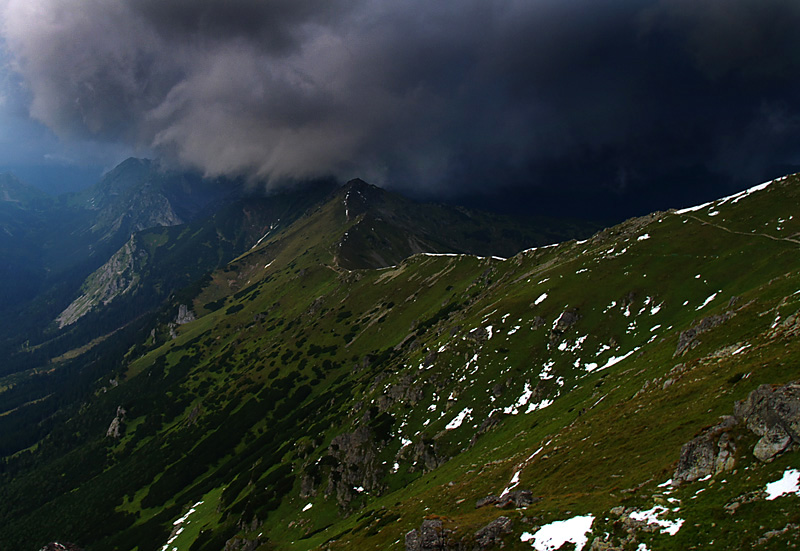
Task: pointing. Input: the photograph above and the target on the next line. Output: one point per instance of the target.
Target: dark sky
(560, 106)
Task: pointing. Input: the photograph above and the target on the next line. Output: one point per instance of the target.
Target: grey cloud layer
(448, 94)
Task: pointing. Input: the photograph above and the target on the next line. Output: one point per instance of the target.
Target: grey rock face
(774, 415)
(118, 276)
(413, 541)
(490, 534)
(562, 324)
(688, 339)
(243, 544)
(358, 468)
(708, 454)
(520, 498)
(430, 537)
(115, 428)
(185, 315)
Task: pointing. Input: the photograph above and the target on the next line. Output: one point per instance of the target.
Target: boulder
(490, 534)
(116, 427)
(185, 315)
(770, 412)
(773, 413)
(688, 338)
(519, 498)
(708, 454)
(430, 537)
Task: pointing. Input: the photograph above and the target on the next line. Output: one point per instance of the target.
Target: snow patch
(552, 536)
(512, 484)
(735, 198)
(613, 360)
(651, 516)
(693, 209)
(643, 237)
(456, 422)
(788, 484)
(307, 507)
(740, 349)
(540, 299)
(539, 405)
(513, 409)
(709, 299)
(534, 454)
(547, 371)
(178, 523)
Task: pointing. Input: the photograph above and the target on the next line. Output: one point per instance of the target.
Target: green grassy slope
(312, 406)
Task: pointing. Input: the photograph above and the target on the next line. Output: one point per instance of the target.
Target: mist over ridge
(627, 101)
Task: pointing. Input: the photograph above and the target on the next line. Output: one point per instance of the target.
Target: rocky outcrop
(425, 453)
(490, 422)
(406, 390)
(787, 329)
(688, 338)
(566, 320)
(774, 415)
(118, 276)
(185, 315)
(115, 429)
(708, 454)
(432, 536)
(357, 468)
(239, 543)
(520, 498)
(491, 534)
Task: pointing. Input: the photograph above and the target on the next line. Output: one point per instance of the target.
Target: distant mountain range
(191, 366)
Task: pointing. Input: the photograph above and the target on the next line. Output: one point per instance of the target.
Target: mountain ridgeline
(342, 368)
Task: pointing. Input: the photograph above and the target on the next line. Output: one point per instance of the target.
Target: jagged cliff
(118, 276)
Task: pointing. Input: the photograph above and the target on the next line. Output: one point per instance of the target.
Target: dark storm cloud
(627, 96)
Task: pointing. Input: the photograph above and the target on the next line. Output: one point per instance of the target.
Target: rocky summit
(342, 368)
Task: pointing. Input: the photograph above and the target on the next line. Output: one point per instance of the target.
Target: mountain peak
(359, 196)
(358, 183)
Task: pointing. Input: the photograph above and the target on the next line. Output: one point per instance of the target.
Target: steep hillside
(50, 245)
(136, 195)
(165, 258)
(572, 392)
(386, 228)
